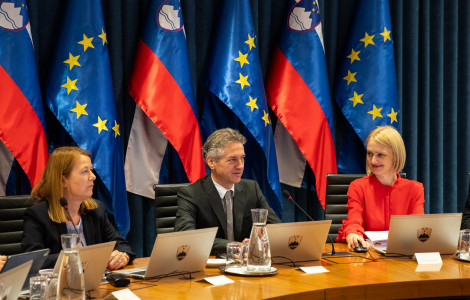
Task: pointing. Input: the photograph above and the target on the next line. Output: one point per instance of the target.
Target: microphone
(65, 205)
(288, 196)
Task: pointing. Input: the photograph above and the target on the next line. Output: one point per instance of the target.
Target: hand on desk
(353, 240)
(118, 260)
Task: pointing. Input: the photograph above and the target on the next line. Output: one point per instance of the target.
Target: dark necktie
(229, 212)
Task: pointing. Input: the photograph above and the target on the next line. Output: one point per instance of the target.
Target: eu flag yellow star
(252, 104)
(265, 118)
(386, 35)
(242, 59)
(243, 80)
(101, 125)
(72, 61)
(350, 77)
(393, 116)
(375, 112)
(368, 40)
(80, 110)
(103, 37)
(86, 42)
(116, 129)
(354, 55)
(251, 42)
(70, 85)
(356, 99)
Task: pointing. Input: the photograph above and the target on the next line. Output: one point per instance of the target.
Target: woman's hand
(118, 260)
(354, 239)
(3, 260)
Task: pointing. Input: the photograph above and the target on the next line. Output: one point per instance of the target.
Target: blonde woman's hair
(50, 188)
(389, 137)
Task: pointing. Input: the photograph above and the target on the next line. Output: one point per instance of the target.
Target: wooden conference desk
(354, 277)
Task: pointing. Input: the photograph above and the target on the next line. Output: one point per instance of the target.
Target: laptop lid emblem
(294, 241)
(424, 234)
(182, 252)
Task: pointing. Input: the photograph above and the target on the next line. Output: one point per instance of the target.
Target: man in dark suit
(222, 199)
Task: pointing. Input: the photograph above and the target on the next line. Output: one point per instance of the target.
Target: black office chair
(337, 186)
(166, 204)
(12, 209)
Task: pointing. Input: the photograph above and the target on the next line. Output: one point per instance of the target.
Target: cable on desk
(290, 261)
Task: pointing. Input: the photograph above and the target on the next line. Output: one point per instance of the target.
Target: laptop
(94, 260)
(13, 279)
(410, 234)
(37, 257)
(299, 241)
(175, 253)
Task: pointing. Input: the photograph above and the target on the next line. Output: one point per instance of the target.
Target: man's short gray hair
(218, 140)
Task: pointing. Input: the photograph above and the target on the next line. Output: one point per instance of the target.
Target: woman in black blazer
(69, 174)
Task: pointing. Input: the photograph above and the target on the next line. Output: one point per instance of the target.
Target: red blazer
(370, 204)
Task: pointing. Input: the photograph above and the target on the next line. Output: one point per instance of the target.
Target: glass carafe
(71, 282)
(259, 251)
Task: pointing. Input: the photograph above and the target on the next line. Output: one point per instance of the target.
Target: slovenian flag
(166, 107)
(298, 92)
(22, 122)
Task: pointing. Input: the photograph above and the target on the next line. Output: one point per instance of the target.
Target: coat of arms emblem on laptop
(424, 234)
(294, 241)
(182, 252)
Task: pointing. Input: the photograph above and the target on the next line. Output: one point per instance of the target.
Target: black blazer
(41, 232)
(466, 213)
(200, 206)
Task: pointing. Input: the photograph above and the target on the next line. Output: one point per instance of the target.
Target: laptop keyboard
(136, 271)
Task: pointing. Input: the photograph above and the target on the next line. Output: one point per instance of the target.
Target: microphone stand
(333, 252)
(65, 205)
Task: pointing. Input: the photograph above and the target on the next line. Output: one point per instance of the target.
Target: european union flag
(235, 78)
(80, 94)
(20, 95)
(366, 87)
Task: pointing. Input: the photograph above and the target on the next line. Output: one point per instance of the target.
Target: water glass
(51, 280)
(51, 292)
(37, 288)
(463, 247)
(234, 257)
(245, 245)
(70, 241)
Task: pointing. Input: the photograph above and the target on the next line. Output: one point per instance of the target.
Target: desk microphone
(65, 205)
(289, 197)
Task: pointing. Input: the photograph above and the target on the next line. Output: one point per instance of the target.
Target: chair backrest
(166, 204)
(12, 209)
(337, 186)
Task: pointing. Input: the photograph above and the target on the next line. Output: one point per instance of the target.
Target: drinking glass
(463, 247)
(234, 257)
(37, 288)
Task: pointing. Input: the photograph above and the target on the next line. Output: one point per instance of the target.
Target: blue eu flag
(80, 94)
(366, 86)
(235, 78)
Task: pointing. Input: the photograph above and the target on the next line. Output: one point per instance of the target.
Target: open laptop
(299, 241)
(94, 260)
(176, 252)
(37, 257)
(410, 234)
(13, 279)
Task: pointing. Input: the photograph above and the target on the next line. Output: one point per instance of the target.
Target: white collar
(221, 190)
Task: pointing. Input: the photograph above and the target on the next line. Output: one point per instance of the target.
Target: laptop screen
(424, 233)
(299, 241)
